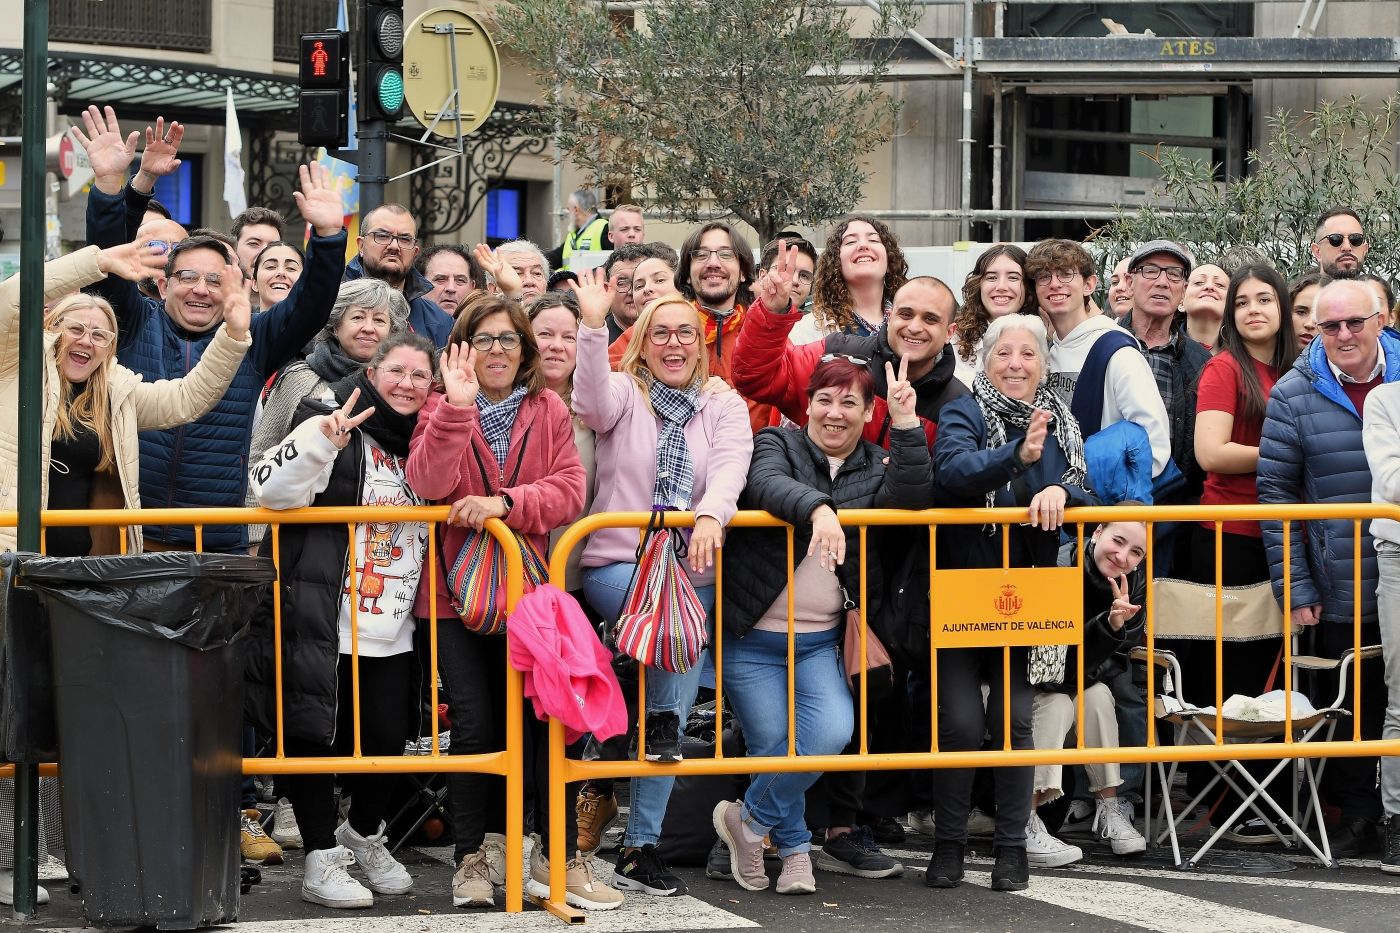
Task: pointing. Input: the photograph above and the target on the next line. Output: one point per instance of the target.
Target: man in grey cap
(1158, 270)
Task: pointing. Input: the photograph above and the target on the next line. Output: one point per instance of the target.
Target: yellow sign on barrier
(1021, 606)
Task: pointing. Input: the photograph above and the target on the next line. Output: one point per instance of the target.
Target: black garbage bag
(148, 662)
(27, 730)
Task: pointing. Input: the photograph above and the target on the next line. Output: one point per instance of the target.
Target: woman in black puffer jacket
(804, 476)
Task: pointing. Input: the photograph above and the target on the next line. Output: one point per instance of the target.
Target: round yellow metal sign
(441, 43)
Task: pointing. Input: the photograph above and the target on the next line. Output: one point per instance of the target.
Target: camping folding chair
(1187, 611)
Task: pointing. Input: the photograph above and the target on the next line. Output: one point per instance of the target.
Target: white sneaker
(382, 871)
(285, 831)
(1044, 850)
(7, 889)
(494, 845)
(52, 869)
(1113, 821)
(1079, 818)
(981, 823)
(921, 821)
(328, 883)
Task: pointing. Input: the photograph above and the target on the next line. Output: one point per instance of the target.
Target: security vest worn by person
(588, 240)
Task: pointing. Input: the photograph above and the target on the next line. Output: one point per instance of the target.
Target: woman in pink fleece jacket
(496, 444)
(662, 442)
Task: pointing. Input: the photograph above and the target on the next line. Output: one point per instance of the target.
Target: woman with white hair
(1011, 443)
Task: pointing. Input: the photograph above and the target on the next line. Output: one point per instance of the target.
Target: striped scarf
(999, 412)
(497, 418)
(675, 473)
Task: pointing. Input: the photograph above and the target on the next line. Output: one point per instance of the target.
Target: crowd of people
(197, 369)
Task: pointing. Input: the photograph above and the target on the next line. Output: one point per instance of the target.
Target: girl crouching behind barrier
(1013, 442)
(349, 449)
(803, 476)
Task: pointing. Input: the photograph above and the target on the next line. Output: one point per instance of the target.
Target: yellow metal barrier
(564, 771)
(508, 763)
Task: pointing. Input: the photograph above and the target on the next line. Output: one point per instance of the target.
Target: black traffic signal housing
(323, 101)
(381, 61)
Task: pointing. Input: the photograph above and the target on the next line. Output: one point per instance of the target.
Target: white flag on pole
(233, 161)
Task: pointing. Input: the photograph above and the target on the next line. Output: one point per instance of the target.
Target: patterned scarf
(999, 412)
(675, 473)
(497, 418)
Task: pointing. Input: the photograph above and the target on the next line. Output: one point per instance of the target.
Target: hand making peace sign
(339, 423)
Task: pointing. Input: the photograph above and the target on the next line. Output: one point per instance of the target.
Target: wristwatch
(507, 501)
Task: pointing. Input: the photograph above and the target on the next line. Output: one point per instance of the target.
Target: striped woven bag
(477, 581)
(662, 623)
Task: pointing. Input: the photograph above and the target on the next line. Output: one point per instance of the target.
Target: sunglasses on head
(1334, 240)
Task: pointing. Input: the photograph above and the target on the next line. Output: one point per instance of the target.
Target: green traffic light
(391, 91)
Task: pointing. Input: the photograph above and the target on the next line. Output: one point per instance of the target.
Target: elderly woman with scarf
(1012, 443)
(702, 446)
(496, 443)
(348, 447)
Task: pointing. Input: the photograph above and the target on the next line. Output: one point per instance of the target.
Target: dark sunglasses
(1353, 325)
(1334, 240)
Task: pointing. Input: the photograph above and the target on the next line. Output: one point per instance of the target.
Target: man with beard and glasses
(388, 246)
(1339, 242)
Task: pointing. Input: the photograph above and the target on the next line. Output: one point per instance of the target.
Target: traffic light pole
(374, 164)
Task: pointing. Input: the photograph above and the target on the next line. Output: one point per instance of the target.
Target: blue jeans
(606, 589)
(756, 665)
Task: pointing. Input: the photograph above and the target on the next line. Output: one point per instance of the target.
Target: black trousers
(473, 669)
(1350, 784)
(386, 723)
(963, 721)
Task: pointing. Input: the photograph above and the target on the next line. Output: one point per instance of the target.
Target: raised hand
(900, 395)
(339, 423)
(502, 273)
(1048, 508)
(108, 152)
(775, 283)
(458, 366)
(1034, 443)
(1122, 609)
(320, 204)
(238, 312)
(133, 261)
(159, 158)
(828, 538)
(595, 295)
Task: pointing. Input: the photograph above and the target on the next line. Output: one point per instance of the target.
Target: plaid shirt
(1161, 359)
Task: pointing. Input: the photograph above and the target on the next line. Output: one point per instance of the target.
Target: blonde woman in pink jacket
(663, 441)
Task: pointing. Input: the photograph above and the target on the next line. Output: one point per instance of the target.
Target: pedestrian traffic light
(323, 101)
(381, 60)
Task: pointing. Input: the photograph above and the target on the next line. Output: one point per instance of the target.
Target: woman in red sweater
(496, 443)
(1257, 346)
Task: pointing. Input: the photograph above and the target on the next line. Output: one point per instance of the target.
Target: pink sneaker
(745, 858)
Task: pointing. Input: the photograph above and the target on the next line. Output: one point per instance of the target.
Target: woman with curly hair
(996, 286)
(856, 277)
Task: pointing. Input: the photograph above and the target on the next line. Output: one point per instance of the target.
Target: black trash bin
(148, 681)
(27, 731)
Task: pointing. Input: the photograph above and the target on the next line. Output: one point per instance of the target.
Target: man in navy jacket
(202, 464)
(388, 247)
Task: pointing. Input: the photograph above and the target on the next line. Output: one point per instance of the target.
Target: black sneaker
(1355, 838)
(945, 867)
(855, 853)
(663, 737)
(886, 830)
(1011, 872)
(1390, 830)
(717, 865)
(646, 871)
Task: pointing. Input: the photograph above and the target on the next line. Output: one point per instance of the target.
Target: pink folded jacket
(568, 672)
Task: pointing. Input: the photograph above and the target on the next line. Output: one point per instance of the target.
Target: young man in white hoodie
(1064, 277)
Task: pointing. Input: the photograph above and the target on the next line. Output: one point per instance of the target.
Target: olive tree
(761, 109)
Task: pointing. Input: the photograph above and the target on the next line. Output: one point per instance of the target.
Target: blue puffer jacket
(204, 463)
(424, 315)
(1311, 451)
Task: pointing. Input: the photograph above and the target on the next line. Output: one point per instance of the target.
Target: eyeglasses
(1151, 271)
(845, 356)
(701, 254)
(1334, 240)
(685, 335)
(77, 330)
(418, 378)
(190, 278)
(1063, 277)
(1353, 324)
(384, 238)
(508, 341)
